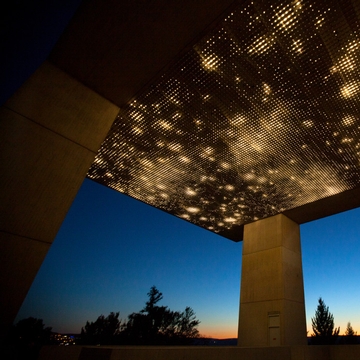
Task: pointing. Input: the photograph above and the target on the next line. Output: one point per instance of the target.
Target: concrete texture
(116, 47)
(341, 352)
(50, 131)
(20, 260)
(272, 285)
(37, 163)
(59, 103)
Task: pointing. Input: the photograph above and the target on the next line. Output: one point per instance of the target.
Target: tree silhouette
(28, 335)
(323, 325)
(159, 325)
(153, 325)
(105, 330)
(154, 297)
(187, 323)
(350, 335)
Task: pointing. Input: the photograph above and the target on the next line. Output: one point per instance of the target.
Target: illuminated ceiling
(260, 116)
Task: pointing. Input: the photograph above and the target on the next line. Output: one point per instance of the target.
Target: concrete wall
(50, 131)
(342, 352)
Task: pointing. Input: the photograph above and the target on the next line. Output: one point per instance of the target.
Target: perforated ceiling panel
(260, 116)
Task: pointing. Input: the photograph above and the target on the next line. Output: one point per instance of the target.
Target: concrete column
(50, 131)
(272, 307)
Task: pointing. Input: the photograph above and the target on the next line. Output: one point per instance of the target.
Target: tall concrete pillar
(272, 307)
(50, 131)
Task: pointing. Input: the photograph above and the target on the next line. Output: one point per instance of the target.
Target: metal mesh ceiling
(260, 116)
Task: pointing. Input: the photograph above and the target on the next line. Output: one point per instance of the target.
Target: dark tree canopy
(27, 337)
(323, 325)
(350, 335)
(153, 325)
(159, 325)
(349, 330)
(154, 297)
(104, 330)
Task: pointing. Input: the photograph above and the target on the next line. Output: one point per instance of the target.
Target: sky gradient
(111, 249)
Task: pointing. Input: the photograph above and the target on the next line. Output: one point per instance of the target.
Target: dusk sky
(111, 249)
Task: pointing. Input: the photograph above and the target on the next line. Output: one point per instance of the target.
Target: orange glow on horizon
(218, 332)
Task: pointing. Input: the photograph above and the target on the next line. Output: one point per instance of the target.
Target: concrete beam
(50, 131)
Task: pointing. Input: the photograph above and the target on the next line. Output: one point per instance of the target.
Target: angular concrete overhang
(231, 111)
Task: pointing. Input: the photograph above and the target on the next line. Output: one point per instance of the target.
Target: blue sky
(111, 249)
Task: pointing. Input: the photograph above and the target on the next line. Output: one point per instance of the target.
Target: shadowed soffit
(259, 117)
